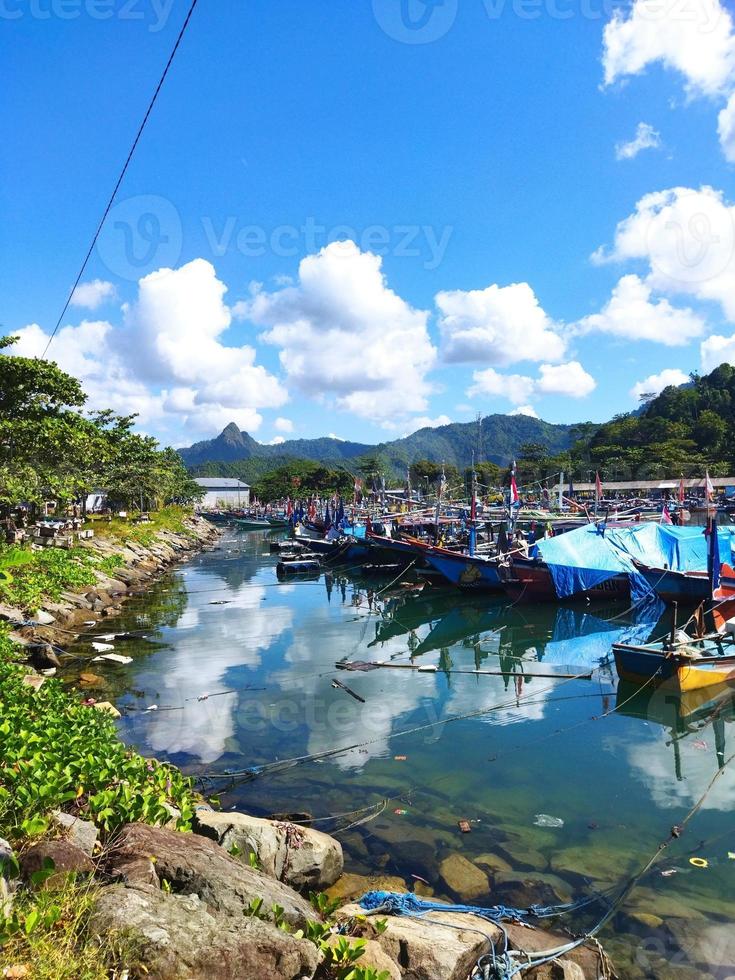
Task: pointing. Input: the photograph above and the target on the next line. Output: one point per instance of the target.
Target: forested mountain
(685, 429)
(498, 439)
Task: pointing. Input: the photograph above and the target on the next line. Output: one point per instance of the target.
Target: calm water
(502, 752)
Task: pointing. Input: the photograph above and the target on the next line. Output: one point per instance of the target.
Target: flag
(514, 498)
(681, 490)
(713, 555)
(327, 517)
(598, 487)
(289, 507)
(708, 488)
(570, 491)
(665, 515)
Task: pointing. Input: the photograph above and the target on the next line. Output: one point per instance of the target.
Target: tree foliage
(50, 449)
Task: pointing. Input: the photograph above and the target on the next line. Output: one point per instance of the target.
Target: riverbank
(226, 901)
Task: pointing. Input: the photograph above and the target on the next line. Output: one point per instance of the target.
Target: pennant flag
(598, 487)
(665, 515)
(708, 488)
(713, 555)
(514, 498)
(681, 489)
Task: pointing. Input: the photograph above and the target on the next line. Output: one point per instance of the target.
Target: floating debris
(464, 826)
(348, 690)
(400, 758)
(699, 862)
(544, 820)
(102, 647)
(114, 658)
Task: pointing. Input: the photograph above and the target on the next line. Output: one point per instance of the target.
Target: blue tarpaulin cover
(589, 555)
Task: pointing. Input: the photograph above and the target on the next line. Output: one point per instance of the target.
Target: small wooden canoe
(683, 667)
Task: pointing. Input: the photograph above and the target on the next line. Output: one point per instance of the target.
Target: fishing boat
(684, 586)
(475, 573)
(529, 580)
(684, 666)
(253, 523)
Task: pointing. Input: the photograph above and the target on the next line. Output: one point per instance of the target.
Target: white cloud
(716, 350)
(485, 326)
(425, 422)
(646, 138)
(726, 129)
(694, 38)
(655, 383)
(276, 441)
(167, 362)
(568, 379)
(283, 425)
(687, 237)
(631, 312)
(525, 410)
(343, 332)
(515, 387)
(90, 295)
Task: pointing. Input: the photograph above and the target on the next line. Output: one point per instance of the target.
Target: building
(651, 488)
(223, 492)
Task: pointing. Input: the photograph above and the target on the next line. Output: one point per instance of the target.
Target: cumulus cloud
(525, 410)
(726, 129)
(570, 380)
(632, 313)
(344, 333)
(687, 237)
(90, 295)
(425, 422)
(276, 441)
(646, 138)
(654, 384)
(716, 350)
(283, 425)
(695, 39)
(484, 326)
(167, 362)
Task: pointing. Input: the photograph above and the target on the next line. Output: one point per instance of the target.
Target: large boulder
(68, 859)
(178, 938)
(301, 857)
(438, 946)
(350, 887)
(193, 865)
(83, 833)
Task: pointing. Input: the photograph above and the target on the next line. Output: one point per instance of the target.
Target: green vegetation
(57, 752)
(51, 451)
(301, 478)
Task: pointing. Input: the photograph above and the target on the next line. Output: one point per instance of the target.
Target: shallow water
(240, 668)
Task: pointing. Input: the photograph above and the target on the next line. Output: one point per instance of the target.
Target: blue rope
(411, 904)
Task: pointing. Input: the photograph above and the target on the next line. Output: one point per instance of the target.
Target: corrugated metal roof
(220, 483)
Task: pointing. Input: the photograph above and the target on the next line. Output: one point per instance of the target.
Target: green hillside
(497, 439)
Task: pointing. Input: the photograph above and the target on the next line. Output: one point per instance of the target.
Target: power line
(121, 177)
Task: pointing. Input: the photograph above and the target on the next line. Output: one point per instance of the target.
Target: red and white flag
(598, 487)
(514, 498)
(708, 488)
(681, 490)
(665, 515)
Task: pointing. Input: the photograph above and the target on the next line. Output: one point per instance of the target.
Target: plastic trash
(544, 820)
(114, 658)
(699, 862)
(102, 647)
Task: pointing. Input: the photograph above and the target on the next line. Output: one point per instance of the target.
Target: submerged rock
(463, 878)
(299, 856)
(179, 938)
(352, 886)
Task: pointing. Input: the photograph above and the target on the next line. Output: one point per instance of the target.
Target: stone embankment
(57, 624)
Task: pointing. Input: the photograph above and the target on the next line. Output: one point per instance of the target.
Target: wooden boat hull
(639, 665)
(532, 582)
(468, 573)
(671, 586)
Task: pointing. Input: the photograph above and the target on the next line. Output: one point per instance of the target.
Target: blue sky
(504, 249)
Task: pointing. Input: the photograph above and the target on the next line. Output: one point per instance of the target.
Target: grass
(64, 950)
(166, 519)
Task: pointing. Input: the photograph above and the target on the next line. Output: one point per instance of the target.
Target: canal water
(568, 783)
